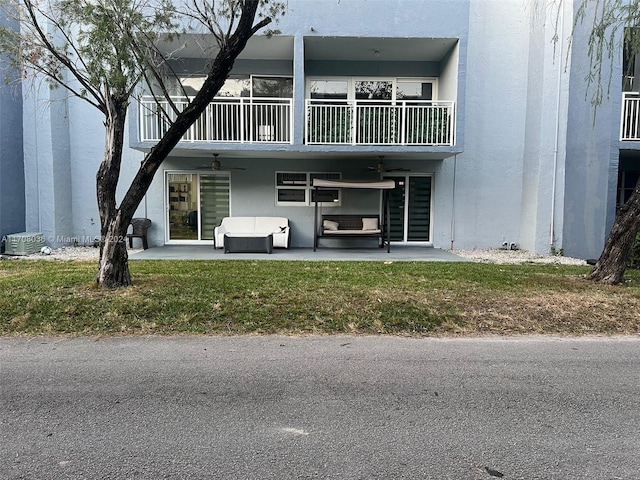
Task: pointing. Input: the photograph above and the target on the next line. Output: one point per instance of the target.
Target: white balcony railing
(226, 119)
(630, 118)
(376, 122)
(269, 120)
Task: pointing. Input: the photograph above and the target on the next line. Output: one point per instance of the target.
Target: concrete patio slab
(399, 253)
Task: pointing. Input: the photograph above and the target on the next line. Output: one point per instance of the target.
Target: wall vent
(24, 243)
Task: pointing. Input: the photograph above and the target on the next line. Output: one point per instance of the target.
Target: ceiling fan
(380, 167)
(215, 165)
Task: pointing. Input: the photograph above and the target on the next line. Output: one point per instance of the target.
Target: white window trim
(351, 83)
(249, 77)
(308, 188)
(257, 75)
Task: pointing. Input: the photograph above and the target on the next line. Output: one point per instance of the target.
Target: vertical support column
(387, 214)
(315, 224)
(12, 176)
(47, 152)
(299, 114)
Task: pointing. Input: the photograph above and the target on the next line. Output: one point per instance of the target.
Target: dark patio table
(248, 243)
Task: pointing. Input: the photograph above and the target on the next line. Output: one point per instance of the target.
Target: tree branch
(64, 60)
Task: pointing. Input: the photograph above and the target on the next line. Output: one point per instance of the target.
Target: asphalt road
(319, 407)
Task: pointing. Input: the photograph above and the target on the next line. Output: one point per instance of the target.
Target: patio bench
(352, 226)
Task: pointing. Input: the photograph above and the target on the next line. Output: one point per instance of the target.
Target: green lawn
(240, 297)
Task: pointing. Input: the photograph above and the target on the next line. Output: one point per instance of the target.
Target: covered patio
(399, 253)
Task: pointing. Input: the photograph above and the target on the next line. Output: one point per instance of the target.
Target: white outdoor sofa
(278, 227)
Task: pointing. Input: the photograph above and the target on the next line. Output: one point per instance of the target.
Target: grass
(42, 297)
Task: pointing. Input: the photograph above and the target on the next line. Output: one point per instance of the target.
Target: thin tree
(103, 51)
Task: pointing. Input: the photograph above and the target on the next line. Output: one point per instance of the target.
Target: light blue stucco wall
(545, 132)
(376, 18)
(592, 154)
(489, 171)
(47, 162)
(87, 137)
(64, 145)
(12, 209)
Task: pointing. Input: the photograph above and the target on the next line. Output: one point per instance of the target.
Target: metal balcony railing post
(403, 123)
(242, 120)
(354, 120)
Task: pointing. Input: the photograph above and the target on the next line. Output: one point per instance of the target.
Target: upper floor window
(414, 90)
(257, 87)
(272, 87)
(373, 89)
(630, 63)
(387, 89)
(329, 89)
(236, 86)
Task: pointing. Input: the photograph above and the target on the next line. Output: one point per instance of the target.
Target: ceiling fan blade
(380, 168)
(218, 168)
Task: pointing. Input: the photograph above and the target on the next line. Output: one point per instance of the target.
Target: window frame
(289, 77)
(175, 83)
(197, 192)
(307, 188)
(623, 192)
(352, 80)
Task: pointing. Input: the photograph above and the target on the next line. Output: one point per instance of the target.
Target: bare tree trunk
(614, 259)
(114, 259)
(113, 269)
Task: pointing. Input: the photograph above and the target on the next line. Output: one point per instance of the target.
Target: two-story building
(482, 121)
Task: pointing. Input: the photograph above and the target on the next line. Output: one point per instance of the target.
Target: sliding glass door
(196, 203)
(410, 209)
(214, 203)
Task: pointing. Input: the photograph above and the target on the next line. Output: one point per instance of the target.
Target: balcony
(328, 122)
(226, 119)
(630, 118)
(379, 122)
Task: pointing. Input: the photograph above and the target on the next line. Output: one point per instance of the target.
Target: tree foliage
(90, 48)
(611, 28)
